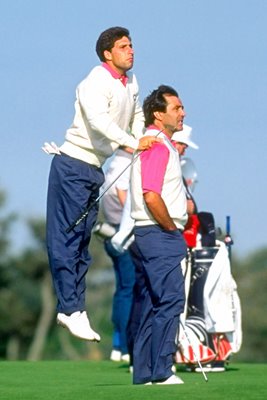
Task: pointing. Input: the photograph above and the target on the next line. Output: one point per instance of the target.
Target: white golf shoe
(78, 324)
(172, 380)
(115, 355)
(125, 358)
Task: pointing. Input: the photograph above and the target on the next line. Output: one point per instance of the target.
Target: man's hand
(158, 209)
(146, 142)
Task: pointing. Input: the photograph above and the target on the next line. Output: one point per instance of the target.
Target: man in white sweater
(159, 210)
(107, 116)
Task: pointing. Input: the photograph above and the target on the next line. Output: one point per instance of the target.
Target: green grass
(104, 380)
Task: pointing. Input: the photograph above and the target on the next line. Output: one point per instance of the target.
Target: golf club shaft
(85, 213)
(228, 225)
(199, 363)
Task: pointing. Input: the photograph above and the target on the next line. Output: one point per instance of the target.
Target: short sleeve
(153, 167)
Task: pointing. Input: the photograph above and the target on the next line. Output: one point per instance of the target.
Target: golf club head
(189, 172)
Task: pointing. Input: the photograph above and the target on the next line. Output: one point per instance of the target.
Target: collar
(162, 131)
(123, 78)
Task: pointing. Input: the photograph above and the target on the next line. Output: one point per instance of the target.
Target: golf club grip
(77, 221)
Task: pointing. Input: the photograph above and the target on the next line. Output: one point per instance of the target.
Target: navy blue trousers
(72, 186)
(162, 298)
(134, 318)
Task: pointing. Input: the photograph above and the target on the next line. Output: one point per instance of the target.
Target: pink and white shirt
(158, 170)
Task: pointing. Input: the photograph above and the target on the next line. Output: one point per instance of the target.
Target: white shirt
(107, 115)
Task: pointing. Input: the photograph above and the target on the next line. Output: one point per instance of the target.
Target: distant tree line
(27, 303)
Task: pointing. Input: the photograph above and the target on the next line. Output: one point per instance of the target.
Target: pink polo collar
(115, 74)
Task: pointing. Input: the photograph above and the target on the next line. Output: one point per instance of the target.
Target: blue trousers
(162, 297)
(134, 318)
(123, 296)
(72, 186)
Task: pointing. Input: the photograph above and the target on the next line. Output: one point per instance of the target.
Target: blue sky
(213, 52)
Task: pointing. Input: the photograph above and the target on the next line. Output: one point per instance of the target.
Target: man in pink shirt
(159, 210)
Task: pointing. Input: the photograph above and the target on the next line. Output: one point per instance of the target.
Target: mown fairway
(104, 380)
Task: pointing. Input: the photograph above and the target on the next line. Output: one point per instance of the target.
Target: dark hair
(156, 101)
(107, 39)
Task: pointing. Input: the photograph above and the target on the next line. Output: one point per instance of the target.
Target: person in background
(107, 115)
(112, 204)
(182, 140)
(159, 209)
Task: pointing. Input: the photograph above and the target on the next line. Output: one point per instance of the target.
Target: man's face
(121, 56)
(173, 118)
(181, 147)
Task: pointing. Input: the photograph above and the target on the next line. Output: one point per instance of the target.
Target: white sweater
(107, 115)
(173, 191)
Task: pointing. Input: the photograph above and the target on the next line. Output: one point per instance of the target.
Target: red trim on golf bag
(191, 353)
(222, 346)
(191, 230)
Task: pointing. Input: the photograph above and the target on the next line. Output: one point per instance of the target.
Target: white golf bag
(212, 317)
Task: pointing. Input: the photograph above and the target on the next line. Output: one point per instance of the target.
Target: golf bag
(212, 316)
